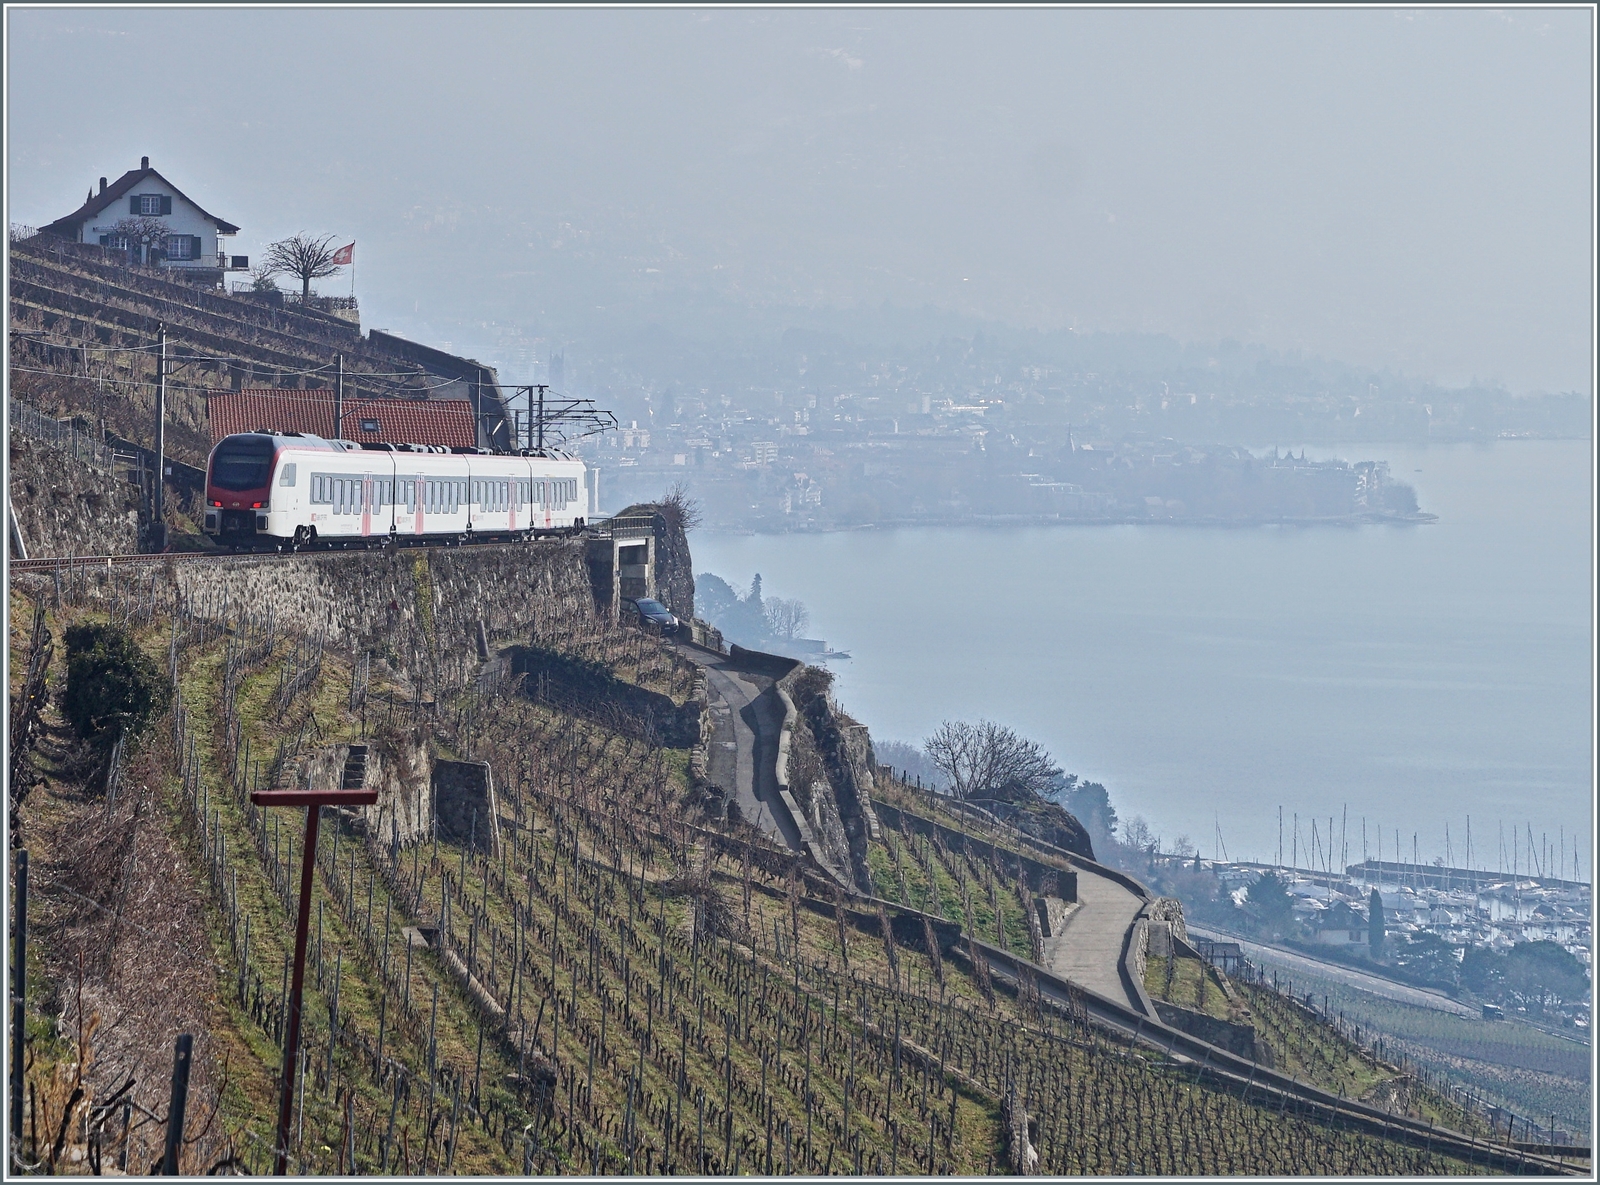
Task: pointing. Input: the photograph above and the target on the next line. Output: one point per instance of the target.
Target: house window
(181, 247)
(154, 203)
(369, 425)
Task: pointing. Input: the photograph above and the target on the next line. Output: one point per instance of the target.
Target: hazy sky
(1404, 189)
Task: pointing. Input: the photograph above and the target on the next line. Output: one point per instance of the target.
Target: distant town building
(148, 220)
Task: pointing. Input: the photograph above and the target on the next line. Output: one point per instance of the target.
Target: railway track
(53, 563)
(116, 561)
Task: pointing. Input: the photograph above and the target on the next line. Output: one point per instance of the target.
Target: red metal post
(313, 801)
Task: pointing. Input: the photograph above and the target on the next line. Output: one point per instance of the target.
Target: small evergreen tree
(112, 685)
(1272, 903)
(1375, 924)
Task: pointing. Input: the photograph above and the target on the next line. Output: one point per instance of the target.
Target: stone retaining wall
(66, 507)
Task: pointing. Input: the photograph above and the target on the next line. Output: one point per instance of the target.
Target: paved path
(1296, 962)
(1089, 949)
(743, 749)
(746, 719)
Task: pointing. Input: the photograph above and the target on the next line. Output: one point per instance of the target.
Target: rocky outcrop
(1168, 910)
(1044, 821)
(838, 802)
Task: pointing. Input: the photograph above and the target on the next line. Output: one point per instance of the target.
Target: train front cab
(239, 479)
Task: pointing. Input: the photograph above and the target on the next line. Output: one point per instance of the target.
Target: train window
(242, 463)
(286, 474)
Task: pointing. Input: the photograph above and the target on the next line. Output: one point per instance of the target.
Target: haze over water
(1417, 674)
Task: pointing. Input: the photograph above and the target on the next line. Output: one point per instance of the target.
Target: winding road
(1088, 951)
(742, 751)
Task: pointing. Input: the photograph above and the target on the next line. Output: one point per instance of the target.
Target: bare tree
(786, 617)
(302, 256)
(679, 508)
(979, 759)
(1136, 834)
(134, 232)
(261, 278)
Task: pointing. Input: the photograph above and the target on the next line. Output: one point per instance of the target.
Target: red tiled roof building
(385, 421)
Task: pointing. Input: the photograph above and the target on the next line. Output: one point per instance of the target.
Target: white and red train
(284, 489)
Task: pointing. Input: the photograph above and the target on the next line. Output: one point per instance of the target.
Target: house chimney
(144, 162)
(102, 185)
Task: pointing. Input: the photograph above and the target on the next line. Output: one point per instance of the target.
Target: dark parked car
(656, 614)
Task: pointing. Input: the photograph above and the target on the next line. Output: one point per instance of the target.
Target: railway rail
(622, 528)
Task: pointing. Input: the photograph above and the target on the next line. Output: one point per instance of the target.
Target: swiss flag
(344, 254)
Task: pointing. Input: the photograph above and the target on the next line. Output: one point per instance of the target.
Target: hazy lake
(1417, 674)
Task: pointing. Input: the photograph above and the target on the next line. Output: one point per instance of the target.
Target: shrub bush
(112, 685)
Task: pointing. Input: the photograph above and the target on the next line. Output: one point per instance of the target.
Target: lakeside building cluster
(1462, 908)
